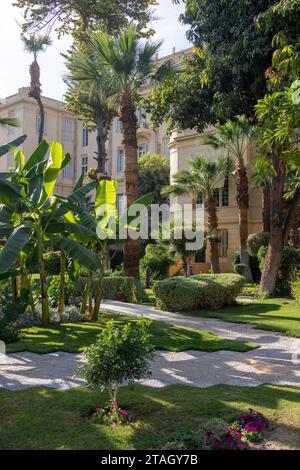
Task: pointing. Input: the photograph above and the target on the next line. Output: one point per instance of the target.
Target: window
(142, 150)
(68, 170)
(11, 129)
(38, 122)
(118, 125)
(85, 137)
(68, 129)
(166, 150)
(201, 255)
(84, 165)
(120, 160)
(221, 195)
(141, 118)
(121, 203)
(223, 246)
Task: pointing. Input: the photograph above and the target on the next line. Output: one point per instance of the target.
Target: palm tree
(36, 44)
(130, 62)
(204, 176)
(236, 137)
(89, 96)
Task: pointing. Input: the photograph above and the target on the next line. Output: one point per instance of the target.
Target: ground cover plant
(160, 415)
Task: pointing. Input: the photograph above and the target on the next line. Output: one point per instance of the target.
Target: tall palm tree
(204, 176)
(35, 44)
(236, 137)
(131, 62)
(89, 96)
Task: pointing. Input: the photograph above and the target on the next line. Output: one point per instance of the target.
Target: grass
(282, 315)
(75, 338)
(50, 419)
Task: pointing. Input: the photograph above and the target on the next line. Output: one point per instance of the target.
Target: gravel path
(275, 362)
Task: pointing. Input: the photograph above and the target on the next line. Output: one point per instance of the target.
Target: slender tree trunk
(211, 209)
(35, 92)
(275, 249)
(102, 136)
(86, 296)
(242, 199)
(129, 130)
(61, 303)
(14, 286)
(43, 282)
(266, 203)
(99, 295)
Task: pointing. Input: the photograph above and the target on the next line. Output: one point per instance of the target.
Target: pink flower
(98, 410)
(123, 413)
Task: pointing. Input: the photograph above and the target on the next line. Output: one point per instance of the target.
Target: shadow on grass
(51, 419)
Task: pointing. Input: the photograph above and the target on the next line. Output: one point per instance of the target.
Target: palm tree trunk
(43, 282)
(129, 130)
(211, 209)
(36, 92)
(102, 137)
(242, 199)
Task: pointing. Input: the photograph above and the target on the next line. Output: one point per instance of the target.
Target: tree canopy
(154, 174)
(75, 16)
(226, 74)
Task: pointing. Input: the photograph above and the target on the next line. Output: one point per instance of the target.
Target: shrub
(121, 354)
(296, 287)
(130, 287)
(256, 241)
(157, 259)
(198, 292)
(240, 269)
(254, 266)
(8, 330)
(71, 315)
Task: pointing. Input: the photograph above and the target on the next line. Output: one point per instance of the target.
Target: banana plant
(27, 195)
(94, 229)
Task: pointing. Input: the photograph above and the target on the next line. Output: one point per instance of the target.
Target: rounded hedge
(182, 294)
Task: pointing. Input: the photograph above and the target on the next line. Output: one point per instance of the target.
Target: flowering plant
(251, 425)
(230, 440)
(111, 415)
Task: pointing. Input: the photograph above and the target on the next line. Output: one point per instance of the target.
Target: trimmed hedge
(130, 287)
(204, 291)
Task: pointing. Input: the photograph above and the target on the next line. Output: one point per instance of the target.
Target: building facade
(62, 126)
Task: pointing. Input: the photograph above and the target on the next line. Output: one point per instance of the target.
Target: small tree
(121, 354)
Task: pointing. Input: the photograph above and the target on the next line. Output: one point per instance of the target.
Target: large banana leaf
(11, 146)
(85, 257)
(9, 274)
(76, 229)
(38, 156)
(53, 168)
(80, 193)
(105, 202)
(11, 250)
(9, 193)
(5, 214)
(19, 159)
(79, 183)
(6, 231)
(65, 161)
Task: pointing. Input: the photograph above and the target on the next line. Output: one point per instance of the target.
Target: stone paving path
(275, 362)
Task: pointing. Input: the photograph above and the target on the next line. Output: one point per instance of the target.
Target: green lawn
(75, 338)
(50, 419)
(281, 315)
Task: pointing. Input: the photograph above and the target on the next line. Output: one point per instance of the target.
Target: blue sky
(15, 62)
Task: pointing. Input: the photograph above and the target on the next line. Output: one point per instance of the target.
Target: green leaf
(85, 257)
(5, 214)
(11, 146)
(106, 193)
(9, 274)
(79, 183)
(19, 159)
(53, 168)
(79, 194)
(38, 156)
(11, 250)
(6, 231)
(9, 193)
(74, 228)
(65, 161)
